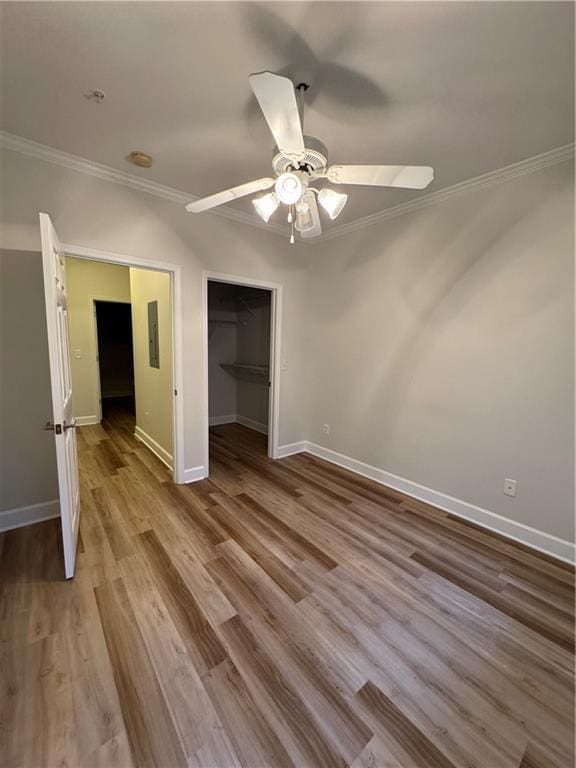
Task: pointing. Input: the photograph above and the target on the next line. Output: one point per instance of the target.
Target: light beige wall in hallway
(86, 280)
(442, 347)
(27, 453)
(153, 386)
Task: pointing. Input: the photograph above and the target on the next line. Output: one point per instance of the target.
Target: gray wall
(254, 348)
(437, 345)
(222, 348)
(231, 395)
(442, 347)
(27, 452)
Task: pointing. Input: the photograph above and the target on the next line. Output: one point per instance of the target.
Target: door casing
(175, 272)
(275, 365)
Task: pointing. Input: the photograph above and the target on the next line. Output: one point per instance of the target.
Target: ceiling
(467, 87)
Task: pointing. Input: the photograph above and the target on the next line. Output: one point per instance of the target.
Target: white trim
(152, 445)
(530, 165)
(531, 537)
(257, 426)
(86, 421)
(35, 513)
(175, 271)
(232, 418)
(215, 421)
(275, 354)
(48, 154)
(194, 474)
(291, 448)
(525, 534)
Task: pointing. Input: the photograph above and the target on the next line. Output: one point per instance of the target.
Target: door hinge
(175, 391)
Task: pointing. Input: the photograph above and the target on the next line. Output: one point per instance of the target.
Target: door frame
(175, 272)
(97, 381)
(275, 367)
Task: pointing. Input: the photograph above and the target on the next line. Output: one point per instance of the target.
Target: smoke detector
(141, 159)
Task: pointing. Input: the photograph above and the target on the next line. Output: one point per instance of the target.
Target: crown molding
(76, 163)
(82, 165)
(530, 165)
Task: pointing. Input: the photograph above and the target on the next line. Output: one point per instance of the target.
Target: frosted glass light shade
(304, 219)
(289, 187)
(332, 202)
(266, 205)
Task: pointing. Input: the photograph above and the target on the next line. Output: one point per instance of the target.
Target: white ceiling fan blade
(406, 176)
(229, 194)
(317, 228)
(277, 99)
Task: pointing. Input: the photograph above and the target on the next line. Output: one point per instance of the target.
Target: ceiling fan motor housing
(315, 158)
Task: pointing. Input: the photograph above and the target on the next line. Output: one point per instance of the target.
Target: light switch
(284, 364)
(78, 354)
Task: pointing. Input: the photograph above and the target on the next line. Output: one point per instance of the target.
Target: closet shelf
(244, 370)
(228, 323)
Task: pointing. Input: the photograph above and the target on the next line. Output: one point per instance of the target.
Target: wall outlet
(78, 354)
(326, 429)
(510, 487)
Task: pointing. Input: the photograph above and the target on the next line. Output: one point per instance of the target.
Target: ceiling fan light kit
(299, 160)
(291, 186)
(266, 205)
(304, 217)
(332, 202)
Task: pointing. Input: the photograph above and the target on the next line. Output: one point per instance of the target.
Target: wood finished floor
(281, 613)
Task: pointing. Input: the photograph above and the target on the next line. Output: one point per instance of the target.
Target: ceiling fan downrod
(301, 90)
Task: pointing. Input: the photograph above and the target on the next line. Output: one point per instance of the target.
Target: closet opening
(240, 322)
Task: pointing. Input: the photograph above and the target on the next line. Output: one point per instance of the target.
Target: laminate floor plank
(201, 641)
(279, 613)
(190, 707)
(151, 731)
(315, 675)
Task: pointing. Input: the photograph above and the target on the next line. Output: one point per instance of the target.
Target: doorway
(60, 357)
(121, 340)
(115, 357)
(242, 319)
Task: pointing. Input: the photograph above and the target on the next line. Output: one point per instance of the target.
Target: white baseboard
(290, 449)
(35, 513)
(251, 424)
(156, 448)
(525, 534)
(84, 421)
(215, 421)
(193, 474)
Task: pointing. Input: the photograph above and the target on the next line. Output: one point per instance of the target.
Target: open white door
(61, 381)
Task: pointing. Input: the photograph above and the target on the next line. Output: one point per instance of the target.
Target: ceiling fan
(300, 160)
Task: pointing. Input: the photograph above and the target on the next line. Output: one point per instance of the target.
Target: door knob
(58, 428)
